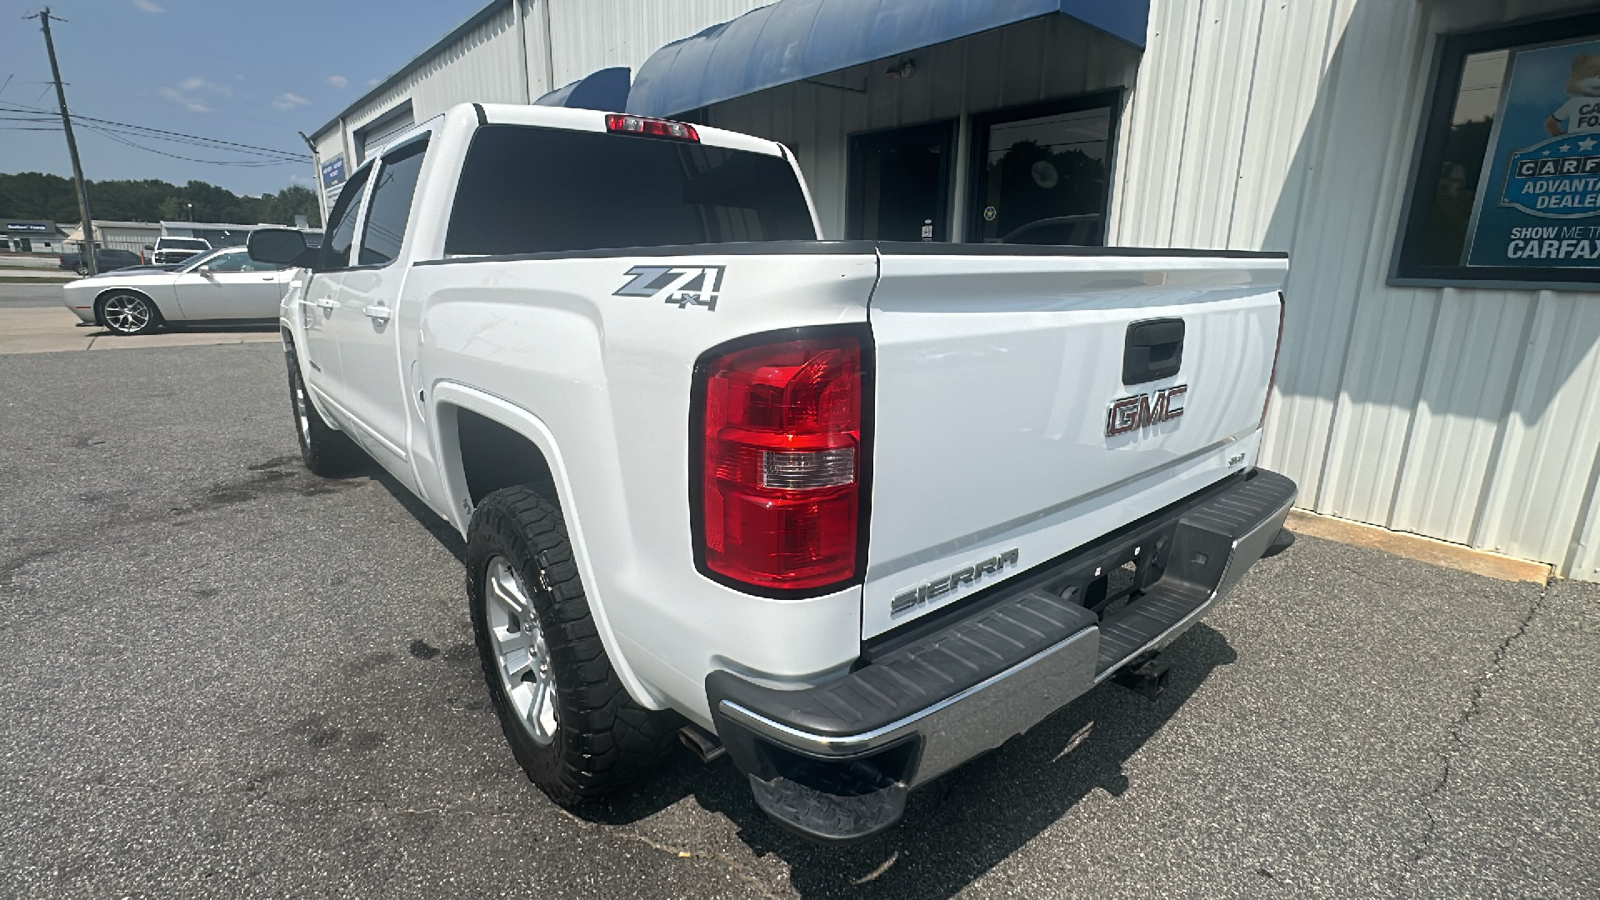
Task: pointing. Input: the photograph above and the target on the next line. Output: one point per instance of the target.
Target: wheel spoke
(503, 589)
(542, 712)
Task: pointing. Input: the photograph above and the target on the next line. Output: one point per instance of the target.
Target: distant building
(30, 236)
(133, 236)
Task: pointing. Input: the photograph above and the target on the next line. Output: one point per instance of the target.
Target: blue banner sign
(1538, 201)
(333, 173)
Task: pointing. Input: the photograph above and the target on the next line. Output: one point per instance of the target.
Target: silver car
(223, 286)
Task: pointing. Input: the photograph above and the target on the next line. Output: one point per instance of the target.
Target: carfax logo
(684, 286)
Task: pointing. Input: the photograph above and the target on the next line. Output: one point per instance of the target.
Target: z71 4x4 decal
(684, 286)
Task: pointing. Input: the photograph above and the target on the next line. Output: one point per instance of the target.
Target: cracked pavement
(224, 676)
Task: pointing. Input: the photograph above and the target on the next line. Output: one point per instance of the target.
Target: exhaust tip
(702, 743)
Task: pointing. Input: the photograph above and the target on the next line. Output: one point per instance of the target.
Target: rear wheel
(570, 722)
(324, 450)
(128, 313)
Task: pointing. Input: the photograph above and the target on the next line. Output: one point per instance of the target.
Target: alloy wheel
(127, 313)
(521, 655)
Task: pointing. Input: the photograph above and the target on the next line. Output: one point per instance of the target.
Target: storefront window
(1041, 174)
(1507, 185)
(900, 183)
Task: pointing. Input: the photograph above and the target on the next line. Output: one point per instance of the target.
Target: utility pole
(87, 246)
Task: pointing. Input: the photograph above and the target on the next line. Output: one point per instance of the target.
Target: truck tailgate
(999, 379)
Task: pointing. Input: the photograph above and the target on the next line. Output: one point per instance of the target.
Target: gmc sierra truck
(852, 513)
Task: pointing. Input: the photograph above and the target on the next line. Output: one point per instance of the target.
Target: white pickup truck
(851, 512)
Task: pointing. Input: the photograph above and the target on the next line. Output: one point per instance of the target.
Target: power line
(215, 162)
(163, 134)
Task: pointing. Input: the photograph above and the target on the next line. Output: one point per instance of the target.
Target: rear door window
(539, 190)
(342, 223)
(391, 205)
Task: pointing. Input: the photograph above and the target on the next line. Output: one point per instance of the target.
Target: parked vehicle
(169, 251)
(106, 259)
(221, 286)
(856, 511)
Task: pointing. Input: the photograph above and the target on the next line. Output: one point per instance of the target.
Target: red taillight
(1272, 380)
(651, 127)
(781, 459)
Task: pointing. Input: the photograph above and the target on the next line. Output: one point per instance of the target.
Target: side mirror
(281, 246)
(149, 246)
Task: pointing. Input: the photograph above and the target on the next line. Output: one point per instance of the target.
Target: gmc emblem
(1133, 413)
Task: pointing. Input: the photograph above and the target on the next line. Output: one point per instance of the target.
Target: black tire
(128, 313)
(81, 269)
(602, 740)
(325, 450)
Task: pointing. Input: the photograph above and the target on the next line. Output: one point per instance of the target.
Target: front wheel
(324, 450)
(127, 313)
(570, 722)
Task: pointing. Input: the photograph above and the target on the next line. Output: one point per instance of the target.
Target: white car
(221, 286)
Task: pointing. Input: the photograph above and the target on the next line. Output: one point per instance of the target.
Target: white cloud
(192, 104)
(196, 94)
(200, 85)
(339, 81)
(372, 82)
(147, 6)
(287, 100)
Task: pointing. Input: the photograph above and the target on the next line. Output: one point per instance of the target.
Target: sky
(248, 72)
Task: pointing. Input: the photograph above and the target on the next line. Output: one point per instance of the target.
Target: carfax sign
(1538, 202)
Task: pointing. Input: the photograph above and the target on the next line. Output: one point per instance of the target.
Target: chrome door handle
(377, 311)
(324, 303)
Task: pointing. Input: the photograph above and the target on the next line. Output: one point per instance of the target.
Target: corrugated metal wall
(597, 34)
(1463, 414)
(484, 65)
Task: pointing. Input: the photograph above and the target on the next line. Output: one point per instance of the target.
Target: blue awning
(793, 40)
(605, 90)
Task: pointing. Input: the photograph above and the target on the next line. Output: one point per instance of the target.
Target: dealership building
(1431, 166)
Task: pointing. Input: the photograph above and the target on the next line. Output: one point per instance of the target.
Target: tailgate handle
(1154, 350)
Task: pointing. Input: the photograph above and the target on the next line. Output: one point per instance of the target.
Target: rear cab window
(526, 189)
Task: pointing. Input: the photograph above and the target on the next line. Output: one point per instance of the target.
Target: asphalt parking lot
(225, 676)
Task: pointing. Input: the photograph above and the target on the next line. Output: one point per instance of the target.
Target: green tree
(35, 195)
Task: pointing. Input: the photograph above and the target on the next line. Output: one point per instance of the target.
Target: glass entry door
(900, 183)
(1041, 175)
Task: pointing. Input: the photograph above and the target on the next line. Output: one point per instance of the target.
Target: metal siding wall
(1462, 414)
(597, 34)
(483, 65)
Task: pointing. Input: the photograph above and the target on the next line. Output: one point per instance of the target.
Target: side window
(342, 223)
(227, 262)
(253, 265)
(391, 204)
